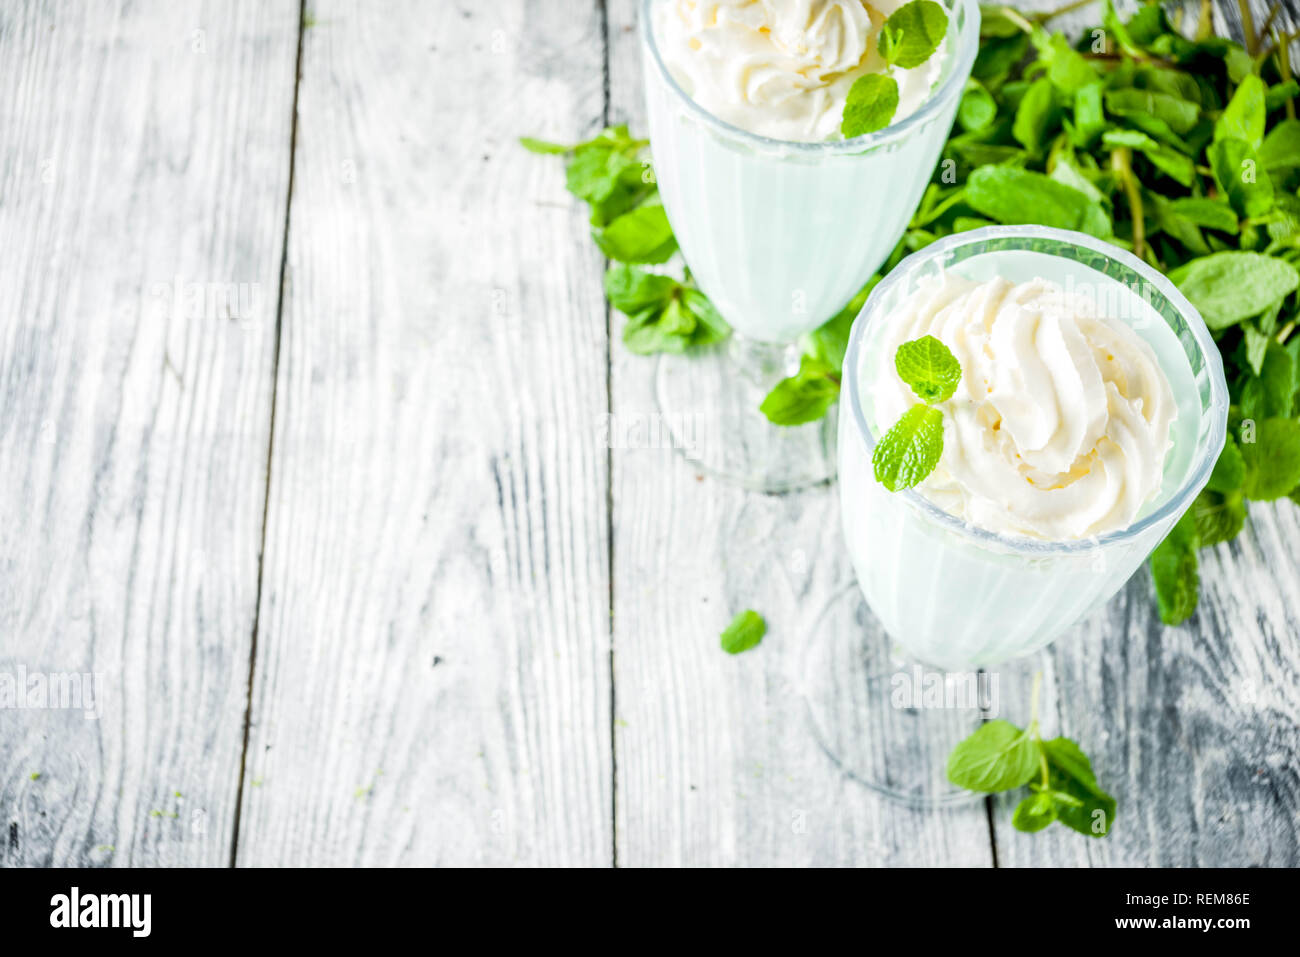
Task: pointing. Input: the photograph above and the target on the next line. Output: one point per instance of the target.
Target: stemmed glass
(959, 598)
(780, 236)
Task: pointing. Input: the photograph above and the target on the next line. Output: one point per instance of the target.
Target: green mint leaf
(997, 757)
(1089, 117)
(977, 109)
(1175, 571)
(1241, 177)
(631, 289)
(1243, 118)
(912, 33)
(1035, 116)
(870, 105)
(909, 451)
(1270, 393)
(1070, 776)
(1178, 114)
(544, 147)
(710, 327)
(1279, 93)
(1017, 196)
(669, 328)
(1218, 517)
(1271, 452)
(1167, 160)
(1210, 213)
(640, 236)
(745, 631)
(928, 366)
(1034, 813)
(1229, 470)
(805, 396)
(1227, 287)
(1067, 70)
(1280, 151)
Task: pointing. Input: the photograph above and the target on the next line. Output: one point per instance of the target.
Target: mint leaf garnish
(912, 33)
(929, 367)
(909, 451)
(745, 631)
(870, 105)
(1001, 757)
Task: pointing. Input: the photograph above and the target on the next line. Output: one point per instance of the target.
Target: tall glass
(957, 598)
(780, 235)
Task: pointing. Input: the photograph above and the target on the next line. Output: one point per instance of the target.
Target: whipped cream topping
(782, 68)
(1059, 427)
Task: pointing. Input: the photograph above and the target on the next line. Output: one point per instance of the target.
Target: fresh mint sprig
(907, 39)
(998, 756)
(911, 449)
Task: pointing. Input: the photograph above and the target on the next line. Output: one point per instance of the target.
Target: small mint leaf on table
(870, 105)
(745, 631)
(997, 757)
(929, 367)
(912, 33)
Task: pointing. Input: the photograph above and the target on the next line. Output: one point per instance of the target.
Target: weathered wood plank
(1195, 729)
(144, 161)
(715, 765)
(432, 676)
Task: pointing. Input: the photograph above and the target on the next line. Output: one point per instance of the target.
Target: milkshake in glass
(1090, 412)
(779, 218)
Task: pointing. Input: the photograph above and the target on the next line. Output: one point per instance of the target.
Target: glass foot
(890, 722)
(709, 400)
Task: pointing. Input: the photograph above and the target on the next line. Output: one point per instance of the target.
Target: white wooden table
(302, 456)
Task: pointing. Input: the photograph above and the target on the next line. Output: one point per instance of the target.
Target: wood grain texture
(143, 178)
(432, 674)
(715, 765)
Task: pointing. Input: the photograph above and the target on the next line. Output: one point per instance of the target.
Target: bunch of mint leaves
(611, 174)
(1179, 146)
(1001, 757)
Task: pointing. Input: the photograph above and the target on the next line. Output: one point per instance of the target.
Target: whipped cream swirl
(782, 68)
(1059, 427)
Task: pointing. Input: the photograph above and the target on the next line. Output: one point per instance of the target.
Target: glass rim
(949, 89)
(1216, 413)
